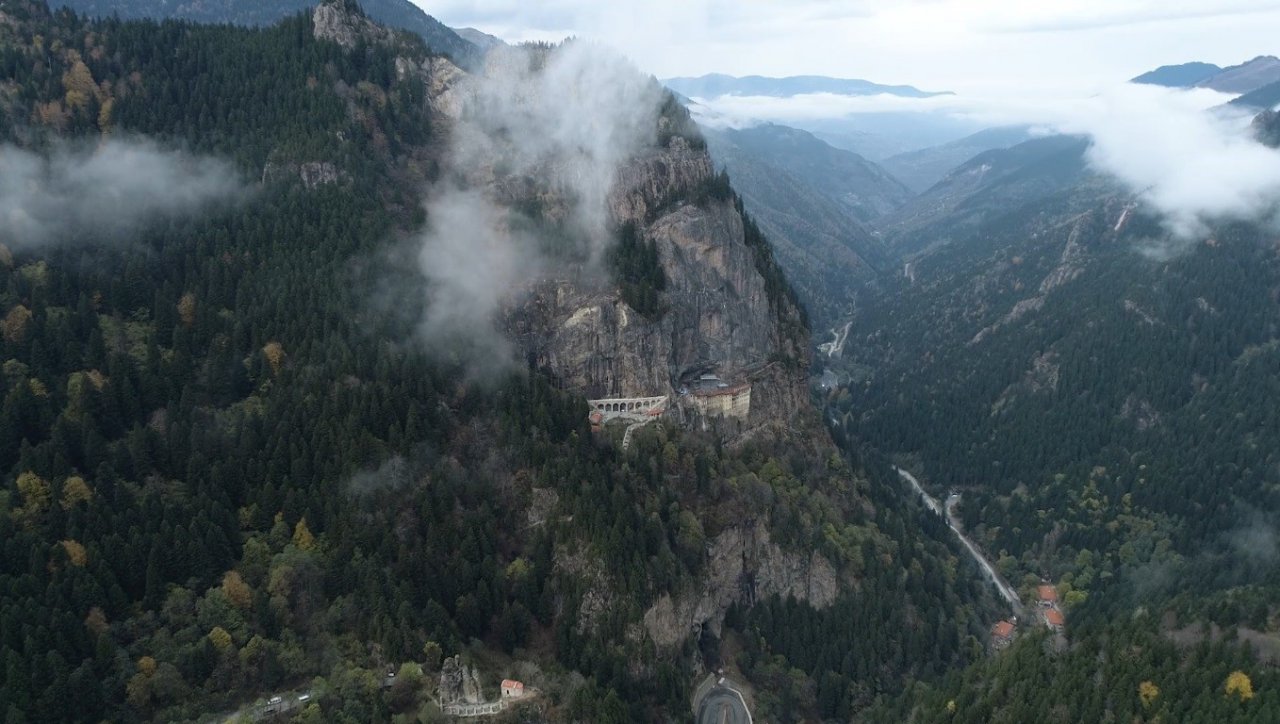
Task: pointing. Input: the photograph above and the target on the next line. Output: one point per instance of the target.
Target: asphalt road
(723, 705)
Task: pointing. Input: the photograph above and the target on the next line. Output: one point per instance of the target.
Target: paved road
(723, 705)
(1006, 591)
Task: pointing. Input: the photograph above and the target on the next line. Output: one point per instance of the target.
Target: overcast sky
(976, 46)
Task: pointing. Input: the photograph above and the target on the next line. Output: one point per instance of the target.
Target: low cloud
(526, 187)
(80, 193)
(1188, 156)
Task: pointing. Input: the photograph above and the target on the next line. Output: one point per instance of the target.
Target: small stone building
(512, 689)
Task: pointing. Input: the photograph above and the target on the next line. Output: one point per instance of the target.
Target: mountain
(863, 188)
(716, 84)
(1243, 78)
(1246, 77)
(1099, 397)
(1266, 126)
(879, 136)
(996, 181)
(813, 201)
(401, 14)
(484, 41)
(1184, 75)
(921, 169)
(300, 325)
(1265, 98)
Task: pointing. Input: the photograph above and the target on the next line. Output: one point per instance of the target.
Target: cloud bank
(1192, 159)
(540, 140)
(78, 193)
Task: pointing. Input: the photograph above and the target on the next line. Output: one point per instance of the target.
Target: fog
(85, 193)
(1188, 156)
(541, 130)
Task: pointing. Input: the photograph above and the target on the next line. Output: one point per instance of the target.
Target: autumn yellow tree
(75, 553)
(1148, 692)
(79, 84)
(302, 537)
(274, 353)
(220, 639)
(236, 590)
(1238, 684)
(75, 491)
(187, 309)
(35, 492)
(15, 323)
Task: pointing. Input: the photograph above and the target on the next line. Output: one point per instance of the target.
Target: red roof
(1048, 593)
(511, 684)
(1002, 630)
(1054, 617)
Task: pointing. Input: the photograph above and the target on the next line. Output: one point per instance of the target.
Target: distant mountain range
(1244, 78)
(716, 84)
(997, 180)
(400, 14)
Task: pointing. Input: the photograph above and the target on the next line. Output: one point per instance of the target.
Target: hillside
(1000, 181)
(401, 14)
(1183, 75)
(1099, 395)
(296, 368)
(1244, 78)
(812, 201)
(919, 170)
(1265, 98)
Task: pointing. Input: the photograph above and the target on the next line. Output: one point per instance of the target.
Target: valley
(358, 368)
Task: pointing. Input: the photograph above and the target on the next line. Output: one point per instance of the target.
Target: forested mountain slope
(991, 184)
(813, 202)
(920, 170)
(401, 14)
(242, 456)
(1102, 395)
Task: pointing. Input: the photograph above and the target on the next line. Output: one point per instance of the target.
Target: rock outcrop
(743, 566)
(717, 314)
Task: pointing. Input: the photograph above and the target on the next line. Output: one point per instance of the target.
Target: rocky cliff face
(717, 315)
(743, 566)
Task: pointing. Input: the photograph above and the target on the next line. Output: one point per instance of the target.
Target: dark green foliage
(400, 14)
(638, 271)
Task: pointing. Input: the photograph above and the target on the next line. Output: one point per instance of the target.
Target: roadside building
(512, 689)
(1002, 635)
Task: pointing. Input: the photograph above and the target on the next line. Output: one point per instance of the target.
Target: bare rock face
(319, 173)
(345, 25)
(459, 683)
(743, 565)
(717, 314)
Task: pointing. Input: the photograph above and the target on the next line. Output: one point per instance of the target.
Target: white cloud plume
(548, 127)
(1190, 157)
(78, 193)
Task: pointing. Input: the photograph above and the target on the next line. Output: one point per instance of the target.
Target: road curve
(930, 502)
(723, 705)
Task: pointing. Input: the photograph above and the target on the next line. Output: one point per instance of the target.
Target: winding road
(930, 502)
(723, 705)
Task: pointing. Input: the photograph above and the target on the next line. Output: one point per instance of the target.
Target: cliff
(717, 313)
(743, 566)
